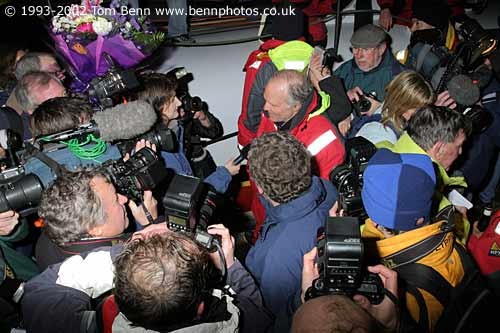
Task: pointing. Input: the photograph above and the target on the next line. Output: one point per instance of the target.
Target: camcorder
(18, 191)
(348, 177)
(442, 67)
(340, 263)
(105, 89)
(161, 136)
(363, 104)
(190, 206)
(142, 171)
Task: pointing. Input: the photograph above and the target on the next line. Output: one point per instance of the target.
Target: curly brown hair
(280, 165)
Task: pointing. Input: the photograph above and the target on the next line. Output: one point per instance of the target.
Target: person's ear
(201, 309)
(435, 151)
(96, 231)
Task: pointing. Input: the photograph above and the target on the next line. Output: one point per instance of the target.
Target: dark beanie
(433, 12)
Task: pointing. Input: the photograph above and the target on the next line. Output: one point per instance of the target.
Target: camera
(116, 81)
(340, 263)
(442, 68)
(161, 136)
(18, 191)
(190, 205)
(363, 104)
(143, 171)
(348, 177)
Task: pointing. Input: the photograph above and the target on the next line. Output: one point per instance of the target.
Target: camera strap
(58, 169)
(85, 245)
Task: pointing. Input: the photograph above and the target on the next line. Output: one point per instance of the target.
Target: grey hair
(26, 87)
(70, 207)
(30, 62)
(299, 86)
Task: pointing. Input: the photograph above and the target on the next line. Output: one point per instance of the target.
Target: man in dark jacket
(296, 205)
(161, 283)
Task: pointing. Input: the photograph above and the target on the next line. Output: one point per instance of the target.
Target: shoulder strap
(415, 252)
(58, 169)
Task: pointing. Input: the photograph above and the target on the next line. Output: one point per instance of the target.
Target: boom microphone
(125, 121)
(463, 90)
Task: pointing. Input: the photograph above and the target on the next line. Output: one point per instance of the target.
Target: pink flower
(85, 27)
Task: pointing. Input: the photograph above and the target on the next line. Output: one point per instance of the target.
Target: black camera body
(340, 263)
(190, 205)
(348, 177)
(363, 104)
(161, 136)
(114, 82)
(142, 171)
(18, 191)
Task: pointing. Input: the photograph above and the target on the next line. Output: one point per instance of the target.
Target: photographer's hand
(138, 146)
(354, 94)
(385, 19)
(317, 71)
(150, 204)
(155, 229)
(386, 312)
(345, 125)
(232, 168)
(227, 244)
(8, 221)
(444, 99)
(309, 271)
(202, 118)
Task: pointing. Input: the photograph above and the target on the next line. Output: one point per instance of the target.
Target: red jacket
(456, 7)
(322, 141)
(486, 249)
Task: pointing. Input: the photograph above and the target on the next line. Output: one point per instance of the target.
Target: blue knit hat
(398, 189)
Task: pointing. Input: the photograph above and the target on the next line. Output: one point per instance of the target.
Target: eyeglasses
(363, 50)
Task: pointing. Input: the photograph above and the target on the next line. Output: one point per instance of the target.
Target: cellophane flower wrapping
(88, 31)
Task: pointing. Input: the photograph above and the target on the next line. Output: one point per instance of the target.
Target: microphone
(125, 121)
(463, 90)
(122, 122)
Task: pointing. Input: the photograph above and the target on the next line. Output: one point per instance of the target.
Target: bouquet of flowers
(88, 31)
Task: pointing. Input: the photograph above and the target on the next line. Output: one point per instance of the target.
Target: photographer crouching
(163, 281)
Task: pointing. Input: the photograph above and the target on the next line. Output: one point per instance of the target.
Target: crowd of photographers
(115, 218)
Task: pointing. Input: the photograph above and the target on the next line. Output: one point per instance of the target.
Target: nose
(177, 102)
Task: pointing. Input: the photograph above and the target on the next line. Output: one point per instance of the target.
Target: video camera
(190, 205)
(142, 171)
(114, 82)
(161, 136)
(445, 69)
(340, 263)
(348, 177)
(18, 191)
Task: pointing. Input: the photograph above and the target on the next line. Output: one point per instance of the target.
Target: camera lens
(24, 193)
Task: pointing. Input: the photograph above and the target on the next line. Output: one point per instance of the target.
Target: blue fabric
(179, 164)
(398, 189)
(289, 231)
(66, 158)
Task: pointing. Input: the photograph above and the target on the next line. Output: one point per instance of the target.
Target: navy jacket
(289, 231)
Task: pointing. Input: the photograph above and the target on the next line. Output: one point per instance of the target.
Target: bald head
(332, 314)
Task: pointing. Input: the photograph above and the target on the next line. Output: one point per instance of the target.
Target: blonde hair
(408, 90)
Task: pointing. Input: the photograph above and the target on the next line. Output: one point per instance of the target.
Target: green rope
(91, 153)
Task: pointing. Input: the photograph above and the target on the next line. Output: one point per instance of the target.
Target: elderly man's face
(114, 208)
(368, 58)
(450, 151)
(49, 64)
(51, 90)
(276, 97)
